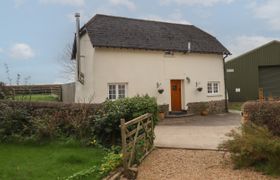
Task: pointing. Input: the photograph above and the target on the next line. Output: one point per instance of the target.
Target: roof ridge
(138, 19)
(255, 49)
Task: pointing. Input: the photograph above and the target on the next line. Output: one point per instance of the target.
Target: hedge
(38, 121)
(263, 113)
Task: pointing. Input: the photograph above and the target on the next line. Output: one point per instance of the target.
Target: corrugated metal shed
(242, 72)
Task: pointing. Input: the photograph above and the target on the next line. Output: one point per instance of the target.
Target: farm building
(259, 68)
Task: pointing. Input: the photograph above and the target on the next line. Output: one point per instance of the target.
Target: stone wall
(213, 107)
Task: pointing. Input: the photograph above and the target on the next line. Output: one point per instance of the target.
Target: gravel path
(178, 164)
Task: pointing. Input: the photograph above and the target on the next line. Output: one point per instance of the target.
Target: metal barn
(259, 68)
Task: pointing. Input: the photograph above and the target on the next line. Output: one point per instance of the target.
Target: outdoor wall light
(188, 79)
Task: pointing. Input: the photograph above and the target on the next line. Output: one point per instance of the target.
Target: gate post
(124, 152)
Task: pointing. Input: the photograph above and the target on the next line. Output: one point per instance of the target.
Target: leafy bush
(254, 146)
(266, 113)
(107, 120)
(50, 121)
(2, 95)
(15, 124)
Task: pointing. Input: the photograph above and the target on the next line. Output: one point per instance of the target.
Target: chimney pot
(77, 15)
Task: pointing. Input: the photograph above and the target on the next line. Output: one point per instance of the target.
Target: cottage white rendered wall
(142, 70)
(85, 92)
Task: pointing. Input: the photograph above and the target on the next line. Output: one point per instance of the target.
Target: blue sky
(35, 33)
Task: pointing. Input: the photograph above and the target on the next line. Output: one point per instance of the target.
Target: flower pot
(161, 115)
(204, 113)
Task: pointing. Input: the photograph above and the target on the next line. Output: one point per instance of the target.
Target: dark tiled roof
(119, 32)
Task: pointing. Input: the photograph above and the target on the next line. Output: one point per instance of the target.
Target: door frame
(181, 95)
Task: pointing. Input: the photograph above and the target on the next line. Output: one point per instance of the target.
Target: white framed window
(117, 90)
(213, 88)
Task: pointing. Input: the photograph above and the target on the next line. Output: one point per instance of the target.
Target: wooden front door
(176, 104)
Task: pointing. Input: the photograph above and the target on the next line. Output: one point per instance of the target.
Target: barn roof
(120, 32)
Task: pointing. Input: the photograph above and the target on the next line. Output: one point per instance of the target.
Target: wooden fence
(137, 141)
(36, 89)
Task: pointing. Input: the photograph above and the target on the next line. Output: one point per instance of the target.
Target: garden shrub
(2, 95)
(266, 113)
(51, 121)
(107, 120)
(254, 146)
(15, 124)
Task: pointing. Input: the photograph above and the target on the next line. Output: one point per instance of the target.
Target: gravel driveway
(175, 164)
(196, 132)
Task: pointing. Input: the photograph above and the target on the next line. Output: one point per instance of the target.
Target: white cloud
(175, 17)
(269, 11)
(243, 44)
(21, 51)
(1, 50)
(196, 2)
(127, 3)
(65, 2)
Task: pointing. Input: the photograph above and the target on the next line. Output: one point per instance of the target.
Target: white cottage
(118, 57)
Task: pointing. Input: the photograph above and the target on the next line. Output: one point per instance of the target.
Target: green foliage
(254, 146)
(47, 161)
(2, 93)
(29, 121)
(264, 114)
(107, 120)
(235, 105)
(110, 162)
(15, 124)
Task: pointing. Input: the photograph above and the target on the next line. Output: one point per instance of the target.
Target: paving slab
(196, 132)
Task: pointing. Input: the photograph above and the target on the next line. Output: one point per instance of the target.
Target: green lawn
(37, 97)
(235, 105)
(27, 162)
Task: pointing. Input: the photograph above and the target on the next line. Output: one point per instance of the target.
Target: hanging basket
(160, 91)
(199, 89)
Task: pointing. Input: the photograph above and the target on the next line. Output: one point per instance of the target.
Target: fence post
(124, 152)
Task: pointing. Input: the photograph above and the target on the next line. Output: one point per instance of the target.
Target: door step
(178, 114)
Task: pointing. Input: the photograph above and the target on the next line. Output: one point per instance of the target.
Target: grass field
(235, 105)
(37, 97)
(27, 162)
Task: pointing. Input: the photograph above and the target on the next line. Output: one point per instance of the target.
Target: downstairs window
(117, 91)
(213, 88)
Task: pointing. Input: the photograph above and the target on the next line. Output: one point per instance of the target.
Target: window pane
(121, 90)
(209, 88)
(112, 91)
(216, 87)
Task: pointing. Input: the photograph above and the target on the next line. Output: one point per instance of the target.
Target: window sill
(213, 95)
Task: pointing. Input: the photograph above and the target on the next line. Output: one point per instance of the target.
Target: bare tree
(68, 65)
(8, 73)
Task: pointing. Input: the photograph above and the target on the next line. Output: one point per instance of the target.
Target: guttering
(225, 82)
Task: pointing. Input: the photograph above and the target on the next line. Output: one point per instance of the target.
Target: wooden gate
(137, 140)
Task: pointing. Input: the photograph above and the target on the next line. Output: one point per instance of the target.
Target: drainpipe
(225, 82)
(78, 54)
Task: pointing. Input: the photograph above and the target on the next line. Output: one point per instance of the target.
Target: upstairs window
(116, 91)
(213, 88)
